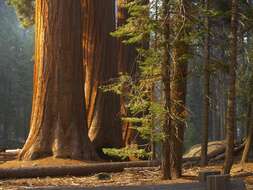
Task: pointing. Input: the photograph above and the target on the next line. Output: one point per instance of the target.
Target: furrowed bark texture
(100, 63)
(58, 124)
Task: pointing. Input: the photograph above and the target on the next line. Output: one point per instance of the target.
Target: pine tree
(206, 87)
(231, 120)
(166, 157)
(178, 86)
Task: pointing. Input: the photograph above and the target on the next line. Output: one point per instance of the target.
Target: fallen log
(221, 156)
(13, 151)
(214, 147)
(215, 155)
(60, 171)
(7, 156)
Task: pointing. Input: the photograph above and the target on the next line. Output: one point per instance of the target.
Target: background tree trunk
(231, 117)
(58, 125)
(248, 143)
(178, 92)
(206, 89)
(103, 109)
(166, 146)
(178, 97)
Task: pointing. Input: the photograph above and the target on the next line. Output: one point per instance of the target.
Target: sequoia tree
(100, 64)
(58, 125)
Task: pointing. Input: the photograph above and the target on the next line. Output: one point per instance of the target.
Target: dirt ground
(46, 162)
(133, 176)
(128, 177)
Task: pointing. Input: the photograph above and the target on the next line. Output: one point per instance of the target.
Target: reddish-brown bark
(100, 66)
(58, 124)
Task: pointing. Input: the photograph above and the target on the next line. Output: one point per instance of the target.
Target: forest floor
(131, 176)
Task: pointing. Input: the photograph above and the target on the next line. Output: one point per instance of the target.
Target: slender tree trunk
(178, 97)
(204, 146)
(231, 120)
(100, 66)
(5, 132)
(58, 124)
(178, 92)
(249, 121)
(248, 143)
(166, 146)
(127, 64)
(127, 55)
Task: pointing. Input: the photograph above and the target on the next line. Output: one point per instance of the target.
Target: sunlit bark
(100, 63)
(58, 124)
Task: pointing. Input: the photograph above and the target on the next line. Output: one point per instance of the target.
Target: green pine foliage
(147, 112)
(24, 10)
(145, 25)
(127, 152)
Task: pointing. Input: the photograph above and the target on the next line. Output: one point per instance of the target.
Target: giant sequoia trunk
(58, 125)
(100, 66)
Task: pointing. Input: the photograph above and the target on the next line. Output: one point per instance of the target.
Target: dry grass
(137, 176)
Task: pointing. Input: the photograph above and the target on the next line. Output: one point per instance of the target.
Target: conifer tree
(231, 117)
(58, 124)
